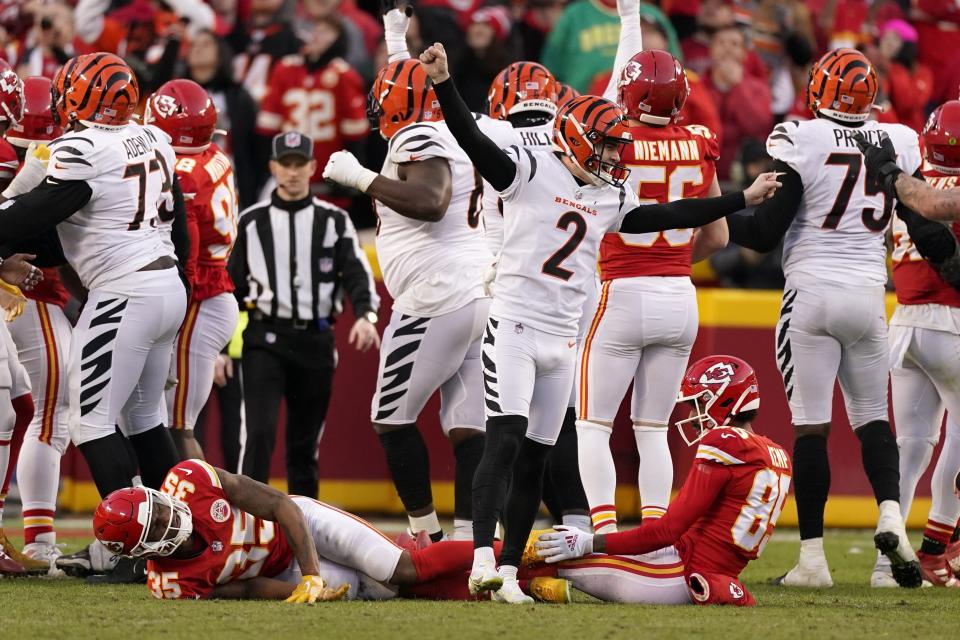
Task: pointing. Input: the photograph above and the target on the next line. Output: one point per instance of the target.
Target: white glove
(628, 8)
(395, 24)
(32, 173)
(344, 168)
(565, 543)
(489, 275)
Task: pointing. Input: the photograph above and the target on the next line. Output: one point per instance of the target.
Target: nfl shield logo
(292, 139)
(326, 265)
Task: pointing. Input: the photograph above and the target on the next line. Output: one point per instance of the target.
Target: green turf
(44, 608)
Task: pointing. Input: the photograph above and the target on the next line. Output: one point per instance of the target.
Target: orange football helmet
(401, 94)
(100, 89)
(522, 86)
(565, 93)
(843, 86)
(584, 127)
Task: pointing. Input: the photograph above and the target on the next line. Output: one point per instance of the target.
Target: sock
(409, 464)
(881, 460)
(578, 521)
(156, 454)
(524, 499)
(563, 468)
(110, 463)
(462, 530)
(811, 550)
(467, 454)
(483, 555)
(915, 455)
(598, 474)
(655, 477)
(38, 475)
(945, 506)
(445, 558)
(936, 537)
(429, 523)
(507, 572)
(811, 474)
(10, 443)
(500, 451)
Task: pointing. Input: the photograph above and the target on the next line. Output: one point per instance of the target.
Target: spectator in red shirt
(909, 83)
(938, 27)
(742, 100)
(319, 94)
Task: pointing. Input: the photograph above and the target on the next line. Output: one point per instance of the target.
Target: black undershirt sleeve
(764, 227)
(681, 214)
(42, 209)
(179, 234)
(494, 165)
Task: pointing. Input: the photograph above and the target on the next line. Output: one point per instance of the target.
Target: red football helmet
(941, 138)
(139, 521)
(11, 95)
(583, 128)
(720, 387)
(653, 87)
(185, 112)
(522, 86)
(37, 123)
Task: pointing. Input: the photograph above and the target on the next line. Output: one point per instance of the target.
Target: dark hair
(907, 56)
(224, 74)
(744, 417)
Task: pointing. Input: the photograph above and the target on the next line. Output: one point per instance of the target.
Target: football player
(646, 321)
(431, 249)
(925, 373)
(183, 110)
(42, 335)
(106, 180)
(729, 504)
(557, 206)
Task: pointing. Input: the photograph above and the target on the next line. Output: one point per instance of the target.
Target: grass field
(45, 608)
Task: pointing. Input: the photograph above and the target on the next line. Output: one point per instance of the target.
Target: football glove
(628, 8)
(396, 20)
(489, 275)
(344, 168)
(12, 301)
(564, 543)
(313, 589)
(881, 162)
(32, 173)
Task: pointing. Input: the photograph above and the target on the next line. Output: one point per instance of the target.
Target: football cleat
(126, 571)
(952, 554)
(45, 552)
(9, 566)
(891, 540)
(812, 575)
(935, 571)
(94, 558)
(530, 557)
(555, 590)
(30, 566)
(882, 575)
(511, 593)
(484, 577)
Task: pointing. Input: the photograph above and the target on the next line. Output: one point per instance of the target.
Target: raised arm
(630, 44)
(396, 20)
(494, 165)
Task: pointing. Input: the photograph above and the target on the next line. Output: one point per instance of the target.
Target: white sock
(578, 521)
(484, 556)
(462, 530)
(4, 463)
(945, 506)
(598, 474)
(811, 551)
(655, 477)
(38, 476)
(915, 454)
(429, 523)
(507, 572)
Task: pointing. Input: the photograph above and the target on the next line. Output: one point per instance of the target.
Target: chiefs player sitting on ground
(727, 509)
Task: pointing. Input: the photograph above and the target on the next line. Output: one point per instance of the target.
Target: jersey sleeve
(724, 447)
(420, 142)
(500, 131)
(907, 144)
(526, 163)
(194, 482)
(629, 200)
(72, 158)
(707, 140)
(783, 144)
(352, 107)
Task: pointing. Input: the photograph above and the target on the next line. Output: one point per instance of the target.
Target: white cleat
(882, 575)
(510, 593)
(45, 552)
(484, 577)
(810, 575)
(891, 540)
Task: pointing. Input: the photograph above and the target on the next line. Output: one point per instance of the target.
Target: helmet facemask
(700, 418)
(162, 538)
(612, 173)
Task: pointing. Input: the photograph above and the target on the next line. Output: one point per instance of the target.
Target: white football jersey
(504, 134)
(838, 234)
(552, 232)
(431, 268)
(130, 172)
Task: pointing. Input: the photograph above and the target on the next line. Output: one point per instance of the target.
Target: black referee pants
(297, 365)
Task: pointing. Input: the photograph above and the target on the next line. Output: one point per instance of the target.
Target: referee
(294, 257)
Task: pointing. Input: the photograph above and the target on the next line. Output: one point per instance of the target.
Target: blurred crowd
(275, 65)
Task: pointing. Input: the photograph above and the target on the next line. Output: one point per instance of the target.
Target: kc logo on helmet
(166, 106)
(630, 72)
(719, 373)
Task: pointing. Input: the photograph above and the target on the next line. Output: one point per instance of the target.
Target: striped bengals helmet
(583, 127)
(565, 93)
(843, 86)
(99, 90)
(401, 94)
(522, 86)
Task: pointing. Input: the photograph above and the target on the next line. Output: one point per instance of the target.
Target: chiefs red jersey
(727, 509)
(666, 164)
(236, 545)
(210, 194)
(915, 280)
(328, 104)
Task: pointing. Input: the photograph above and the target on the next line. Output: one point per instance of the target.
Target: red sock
(23, 407)
(444, 558)
(453, 587)
(938, 532)
(35, 523)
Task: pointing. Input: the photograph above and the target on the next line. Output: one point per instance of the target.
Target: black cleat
(905, 566)
(127, 571)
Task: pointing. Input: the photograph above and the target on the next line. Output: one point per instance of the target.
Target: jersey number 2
(140, 170)
(552, 265)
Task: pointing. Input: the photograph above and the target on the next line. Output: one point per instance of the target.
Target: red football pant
(718, 589)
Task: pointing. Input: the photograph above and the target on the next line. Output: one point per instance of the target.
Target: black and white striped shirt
(294, 261)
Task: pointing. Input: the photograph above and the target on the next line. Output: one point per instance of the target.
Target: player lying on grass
(728, 506)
